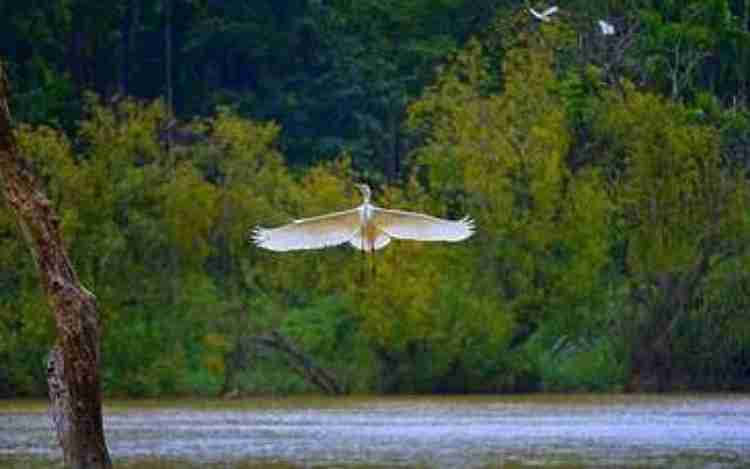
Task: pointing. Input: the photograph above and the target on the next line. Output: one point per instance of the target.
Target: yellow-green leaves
(124, 134)
(189, 209)
(247, 149)
(51, 153)
(674, 195)
(542, 230)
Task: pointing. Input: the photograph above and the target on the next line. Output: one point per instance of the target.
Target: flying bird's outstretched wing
(545, 15)
(310, 233)
(409, 225)
(536, 14)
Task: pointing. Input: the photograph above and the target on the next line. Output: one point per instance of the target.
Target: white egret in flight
(607, 29)
(366, 227)
(546, 15)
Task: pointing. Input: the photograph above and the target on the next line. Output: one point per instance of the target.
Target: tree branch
(303, 363)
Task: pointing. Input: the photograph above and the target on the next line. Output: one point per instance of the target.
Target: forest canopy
(607, 175)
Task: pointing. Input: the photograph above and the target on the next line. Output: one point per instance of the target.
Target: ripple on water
(446, 432)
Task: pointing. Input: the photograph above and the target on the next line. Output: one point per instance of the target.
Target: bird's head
(365, 190)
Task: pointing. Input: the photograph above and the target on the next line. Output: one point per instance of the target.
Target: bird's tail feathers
(257, 235)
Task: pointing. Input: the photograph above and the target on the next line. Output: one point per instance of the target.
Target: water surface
(539, 431)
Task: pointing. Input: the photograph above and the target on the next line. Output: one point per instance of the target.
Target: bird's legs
(370, 235)
(363, 271)
(372, 257)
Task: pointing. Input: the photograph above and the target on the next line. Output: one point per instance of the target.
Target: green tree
(544, 234)
(683, 216)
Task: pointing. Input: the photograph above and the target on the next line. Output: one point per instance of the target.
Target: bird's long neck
(365, 194)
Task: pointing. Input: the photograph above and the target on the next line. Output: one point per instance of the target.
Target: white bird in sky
(545, 15)
(606, 28)
(366, 227)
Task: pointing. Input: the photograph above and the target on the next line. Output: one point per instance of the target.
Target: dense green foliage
(607, 176)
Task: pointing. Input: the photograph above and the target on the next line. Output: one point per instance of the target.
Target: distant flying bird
(606, 28)
(366, 227)
(545, 15)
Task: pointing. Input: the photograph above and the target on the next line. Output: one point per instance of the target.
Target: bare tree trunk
(746, 27)
(128, 28)
(73, 375)
(666, 300)
(651, 361)
(168, 69)
(76, 55)
(169, 98)
(302, 363)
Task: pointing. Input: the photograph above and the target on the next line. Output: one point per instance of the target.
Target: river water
(446, 432)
